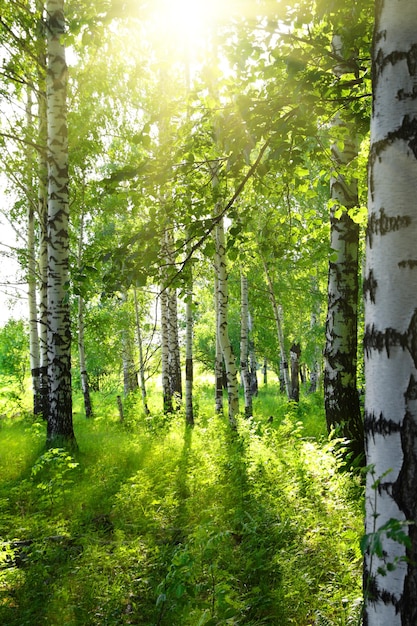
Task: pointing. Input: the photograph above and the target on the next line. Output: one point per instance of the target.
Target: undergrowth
(158, 524)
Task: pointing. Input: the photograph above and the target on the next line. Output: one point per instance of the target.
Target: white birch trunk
(172, 321)
(390, 288)
(31, 271)
(130, 377)
(218, 362)
(222, 324)
(81, 331)
(166, 381)
(141, 360)
(340, 353)
(244, 344)
(189, 365)
(60, 428)
(277, 311)
(253, 365)
(43, 235)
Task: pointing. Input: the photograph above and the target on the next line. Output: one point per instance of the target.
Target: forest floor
(153, 523)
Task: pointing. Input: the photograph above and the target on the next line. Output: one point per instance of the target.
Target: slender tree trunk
(81, 327)
(222, 324)
(166, 381)
(277, 311)
(340, 353)
(253, 366)
(31, 271)
(33, 315)
(172, 321)
(141, 360)
(390, 288)
(244, 344)
(43, 236)
(295, 352)
(88, 408)
(189, 365)
(218, 362)
(60, 427)
(265, 371)
(174, 347)
(130, 377)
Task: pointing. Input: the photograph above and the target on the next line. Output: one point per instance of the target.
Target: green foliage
(14, 350)
(53, 475)
(176, 526)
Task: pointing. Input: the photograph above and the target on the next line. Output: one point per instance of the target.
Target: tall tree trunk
(189, 364)
(85, 386)
(265, 371)
(390, 288)
(130, 377)
(174, 347)
(31, 271)
(172, 320)
(295, 352)
(277, 311)
(244, 344)
(141, 360)
(171, 362)
(340, 354)
(166, 381)
(218, 361)
(222, 324)
(252, 360)
(43, 229)
(33, 314)
(60, 427)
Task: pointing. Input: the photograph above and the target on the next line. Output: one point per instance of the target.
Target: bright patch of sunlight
(187, 23)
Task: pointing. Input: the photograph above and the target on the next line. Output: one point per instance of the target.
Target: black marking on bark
(404, 495)
(407, 132)
(380, 340)
(402, 94)
(379, 425)
(370, 285)
(410, 263)
(382, 224)
(410, 56)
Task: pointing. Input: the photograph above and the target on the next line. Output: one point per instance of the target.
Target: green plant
(53, 475)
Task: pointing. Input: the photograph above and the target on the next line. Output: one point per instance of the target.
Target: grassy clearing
(156, 524)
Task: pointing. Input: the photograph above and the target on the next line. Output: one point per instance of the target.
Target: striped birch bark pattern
(390, 288)
(60, 427)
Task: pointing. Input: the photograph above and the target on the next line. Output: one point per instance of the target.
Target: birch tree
(391, 322)
(60, 427)
(222, 296)
(244, 344)
(340, 354)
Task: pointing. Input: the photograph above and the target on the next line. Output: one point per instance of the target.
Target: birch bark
(340, 353)
(244, 344)
(141, 359)
(60, 427)
(85, 386)
(277, 311)
(390, 288)
(222, 324)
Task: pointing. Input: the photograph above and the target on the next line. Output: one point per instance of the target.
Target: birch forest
(207, 402)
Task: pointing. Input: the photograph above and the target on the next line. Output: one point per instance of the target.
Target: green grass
(156, 524)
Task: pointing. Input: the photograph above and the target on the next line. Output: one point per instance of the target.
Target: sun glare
(187, 22)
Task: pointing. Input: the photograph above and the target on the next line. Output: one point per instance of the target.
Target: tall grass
(157, 524)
